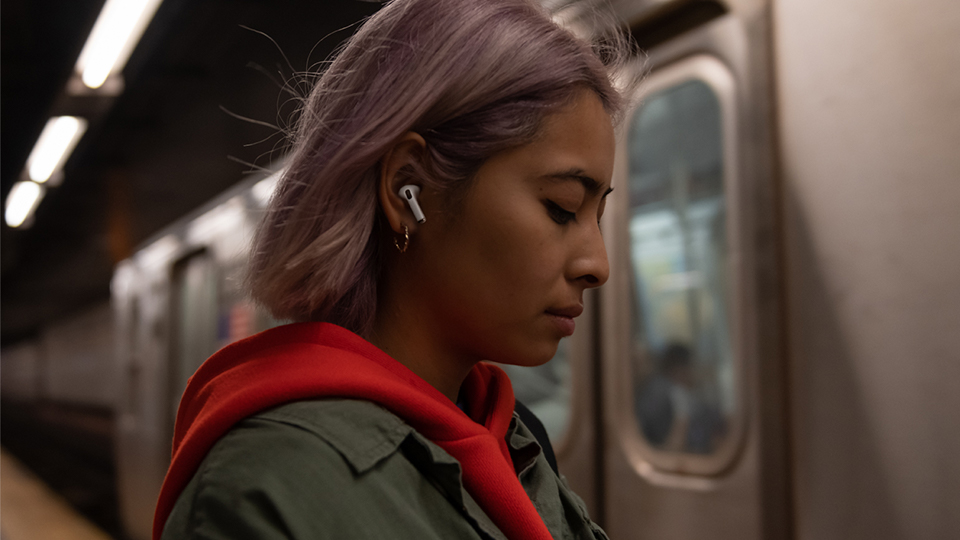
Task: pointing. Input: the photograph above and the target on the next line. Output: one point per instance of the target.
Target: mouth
(570, 312)
(563, 318)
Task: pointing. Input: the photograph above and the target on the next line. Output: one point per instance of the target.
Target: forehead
(579, 137)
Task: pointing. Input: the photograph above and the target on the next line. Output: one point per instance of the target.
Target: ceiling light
(22, 201)
(114, 35)
(53, 147)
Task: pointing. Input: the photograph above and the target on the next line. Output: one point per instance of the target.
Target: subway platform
(31, 510)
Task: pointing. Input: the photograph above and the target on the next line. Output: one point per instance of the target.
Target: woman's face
(503, 277)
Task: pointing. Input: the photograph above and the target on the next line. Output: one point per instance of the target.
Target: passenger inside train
(440, 209)
(673, 414)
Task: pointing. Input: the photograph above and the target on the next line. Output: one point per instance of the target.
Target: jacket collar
(365, 433)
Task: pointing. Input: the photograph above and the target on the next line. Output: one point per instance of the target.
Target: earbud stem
(409, 193)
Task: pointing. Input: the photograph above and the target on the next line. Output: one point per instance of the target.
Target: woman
(441, 207)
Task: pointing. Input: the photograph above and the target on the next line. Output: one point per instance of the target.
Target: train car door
(692, 401)
(194, 321)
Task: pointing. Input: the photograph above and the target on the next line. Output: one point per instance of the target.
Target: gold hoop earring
(406, 240)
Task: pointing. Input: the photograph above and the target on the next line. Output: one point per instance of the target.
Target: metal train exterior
(776, 353)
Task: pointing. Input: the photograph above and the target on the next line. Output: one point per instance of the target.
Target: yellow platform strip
(30, 510)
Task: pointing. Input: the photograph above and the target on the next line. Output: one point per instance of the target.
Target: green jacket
(335, 468)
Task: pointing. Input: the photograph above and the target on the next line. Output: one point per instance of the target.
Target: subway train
(775, 354)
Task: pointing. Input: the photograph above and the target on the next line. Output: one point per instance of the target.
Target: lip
(563, 318)
(570, 312)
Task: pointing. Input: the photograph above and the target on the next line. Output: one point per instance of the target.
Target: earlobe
(400, 159)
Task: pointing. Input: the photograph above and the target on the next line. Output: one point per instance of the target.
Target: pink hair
(473, 77)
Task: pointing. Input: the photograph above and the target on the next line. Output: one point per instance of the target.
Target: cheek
(521, 252)
(482, 261)
(501, 254)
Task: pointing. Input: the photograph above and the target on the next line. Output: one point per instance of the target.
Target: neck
(404, 332)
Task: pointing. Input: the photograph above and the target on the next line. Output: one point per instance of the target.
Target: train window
(238, 316)
(684, 388)
(195, 318)
(545, 390)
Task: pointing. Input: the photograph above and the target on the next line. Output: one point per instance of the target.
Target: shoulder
(286, 471)
(306, 439)
(360, 432)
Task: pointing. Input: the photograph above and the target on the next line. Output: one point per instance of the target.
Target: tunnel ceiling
(158, 150)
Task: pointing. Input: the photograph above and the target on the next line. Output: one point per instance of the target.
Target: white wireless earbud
(409, 193)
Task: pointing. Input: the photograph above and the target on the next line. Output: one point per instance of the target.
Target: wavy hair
(472, 77)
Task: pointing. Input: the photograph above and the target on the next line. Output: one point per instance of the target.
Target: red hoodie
(319, 360)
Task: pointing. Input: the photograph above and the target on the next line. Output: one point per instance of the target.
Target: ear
(406, 152)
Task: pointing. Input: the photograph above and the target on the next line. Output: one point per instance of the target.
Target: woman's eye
(558, 214)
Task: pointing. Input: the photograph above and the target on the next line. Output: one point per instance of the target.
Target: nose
(590, 266)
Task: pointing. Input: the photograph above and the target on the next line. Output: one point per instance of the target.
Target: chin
(533, 355)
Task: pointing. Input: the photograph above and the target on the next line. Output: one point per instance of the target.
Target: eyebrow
(591, 185)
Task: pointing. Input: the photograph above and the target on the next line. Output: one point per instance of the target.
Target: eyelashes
(563, 216)
(558, 214)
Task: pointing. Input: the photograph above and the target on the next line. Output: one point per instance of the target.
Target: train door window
(195, 318)
(546, 390)
(685, 390)
(133, 361)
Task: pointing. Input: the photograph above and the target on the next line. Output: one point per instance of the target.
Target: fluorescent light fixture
(22, 201)
(114, 35)
(56, 141)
